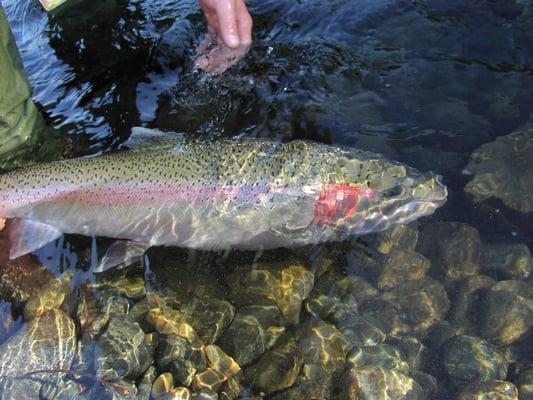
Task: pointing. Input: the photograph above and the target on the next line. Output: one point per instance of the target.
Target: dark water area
(443, 307)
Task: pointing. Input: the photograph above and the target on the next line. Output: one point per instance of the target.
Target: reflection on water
(442, 309)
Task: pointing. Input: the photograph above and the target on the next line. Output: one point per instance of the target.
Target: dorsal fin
(143, 137)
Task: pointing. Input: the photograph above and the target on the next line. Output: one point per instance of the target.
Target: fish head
(368, 194)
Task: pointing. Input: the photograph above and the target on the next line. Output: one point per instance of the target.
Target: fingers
(226, 12)
(244, 23)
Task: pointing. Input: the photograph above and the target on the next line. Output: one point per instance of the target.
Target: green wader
(21, 124)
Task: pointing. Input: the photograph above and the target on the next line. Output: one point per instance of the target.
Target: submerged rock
(383, 356)
(469, 359)
(524, 382)
(51, 295)
(322, 344)
(453, 249)
(491, 390)
(286, 285)
(21, 278)
(122, 352)
(402, 266)
(464, 314)
(507, 312)
(209, 317)
(37, 353)
(412, 307)
(402, 236)
(378, 383)
(278, 368)
(179, 357)
(313, 383)
(510, 261)
(7, 323)
(254, 330)
(502, 170)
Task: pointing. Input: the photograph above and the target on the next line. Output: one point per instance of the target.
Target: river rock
(122, 352)
(46, 343)
(314, 382)
(278, 368)
(51, 295)
(179, 357)
(384, 356)
(507, 312)
(402, 236)
(7, 322)
(209, 317)
(254, 330)
(491, 390)
(507, 261)
(411, 308)
(524, 382)
(469, 359)
(401, 266)
(378, 384)
(323, 344)
(21, 278)
(453, 249)
(286, 285)
(464, 313)
(502, 170)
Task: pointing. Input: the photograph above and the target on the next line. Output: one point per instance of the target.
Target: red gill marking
(337, 201)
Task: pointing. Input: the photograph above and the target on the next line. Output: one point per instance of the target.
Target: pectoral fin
(122, 252)
(26, 235)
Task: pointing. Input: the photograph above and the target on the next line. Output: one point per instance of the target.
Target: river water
(422, 82)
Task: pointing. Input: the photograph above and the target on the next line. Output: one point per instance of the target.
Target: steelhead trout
(210, 195)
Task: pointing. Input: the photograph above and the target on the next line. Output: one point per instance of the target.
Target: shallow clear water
(422, 82)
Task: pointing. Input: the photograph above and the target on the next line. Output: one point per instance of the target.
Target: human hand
(229, 34)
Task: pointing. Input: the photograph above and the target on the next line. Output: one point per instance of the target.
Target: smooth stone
(357, 287)
(205, 395)
(177, 356)
(452, 247)
(360, 330)
(232, 389)
(509, 261)
(402, 266)
(168, 321)
(384, 356)
(51, 295)
(7, 322)
(278, 368)
(502, 170)
(402, 236)
(491, 390)
(411, 308)
(378, 384)
(220, 361)
(46, 343)
(122, 352)
(254, 330)
(21, 278)
(144, 386)
(162, 385)
(507, 312)
(524, 382)
(417, 354)
(466, 304)
(468, 359)
(285, 284)
(209, 317)
(322, 344)
(209, 379)
(314, 382)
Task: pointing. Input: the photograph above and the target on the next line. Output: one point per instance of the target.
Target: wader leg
(20, 121)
